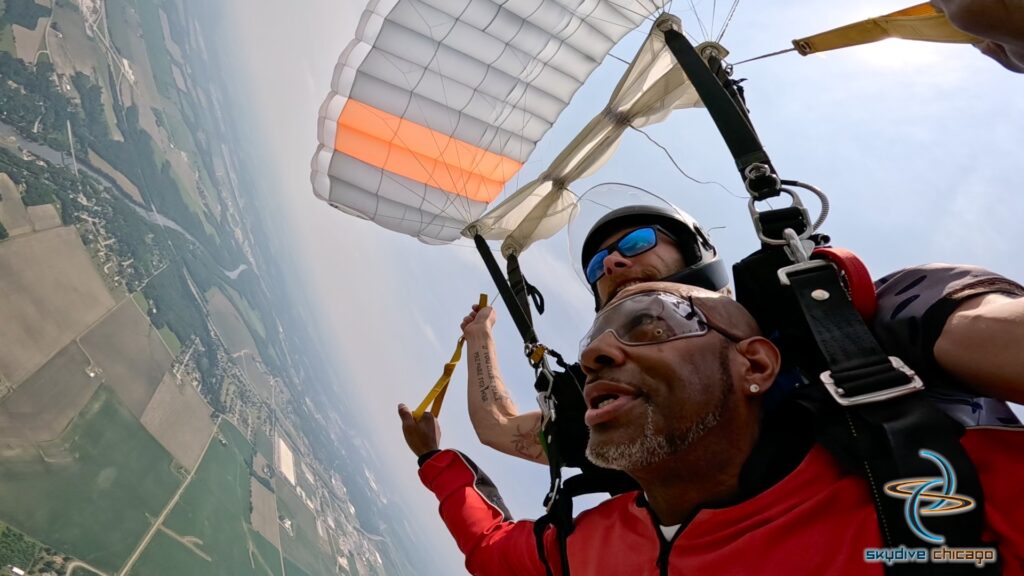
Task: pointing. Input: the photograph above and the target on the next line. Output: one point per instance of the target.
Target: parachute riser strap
(887, 421)
(524, 291)
(729, 112)
(520, 317)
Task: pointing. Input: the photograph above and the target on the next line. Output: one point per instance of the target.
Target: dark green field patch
(211, 520)
(93, 491)
(16, 549)
(264, 444)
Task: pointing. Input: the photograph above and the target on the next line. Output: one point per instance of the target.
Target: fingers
(406, 415)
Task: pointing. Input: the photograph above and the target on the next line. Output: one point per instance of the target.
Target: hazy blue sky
(918, 147)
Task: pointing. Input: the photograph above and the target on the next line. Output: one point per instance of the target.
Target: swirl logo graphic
(930, 497)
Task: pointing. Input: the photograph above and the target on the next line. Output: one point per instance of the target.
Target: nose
(605, 351)
(616, 261)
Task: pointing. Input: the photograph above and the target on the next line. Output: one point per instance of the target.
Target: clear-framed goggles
(650, 318)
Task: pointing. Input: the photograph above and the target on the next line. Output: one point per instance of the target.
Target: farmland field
(13, 214)
(42, 407)
(213, 517)
(44, 217)
(264, 444)
(91, 493)
(304, 545)
(130, 353)
(59, 295)
(264, 512)
(180, 420)
(229, 324)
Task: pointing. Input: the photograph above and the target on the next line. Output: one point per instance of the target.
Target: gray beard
(652, 448)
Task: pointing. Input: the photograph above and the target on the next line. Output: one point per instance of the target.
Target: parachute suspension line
(714, 11)
(679, 168)
(768, 55)
(700, 22)
(645, 16)
(623, 60)
(728, 20)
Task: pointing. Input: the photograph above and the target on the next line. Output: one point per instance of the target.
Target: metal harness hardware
(840, 395)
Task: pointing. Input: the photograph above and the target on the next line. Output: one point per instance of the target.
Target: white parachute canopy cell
(650, 89)
(436, 105)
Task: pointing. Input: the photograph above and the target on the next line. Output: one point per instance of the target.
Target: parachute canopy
(436, 104)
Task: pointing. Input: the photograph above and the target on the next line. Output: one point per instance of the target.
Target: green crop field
(210, 523)
(293, 569)
(264, 444)
(171, 340)
(91, 492)
(302, 546)
(153, 35)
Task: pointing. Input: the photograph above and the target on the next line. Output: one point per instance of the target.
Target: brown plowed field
(52, 293)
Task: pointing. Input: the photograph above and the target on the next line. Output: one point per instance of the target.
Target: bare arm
(494, 415)
(982, 344)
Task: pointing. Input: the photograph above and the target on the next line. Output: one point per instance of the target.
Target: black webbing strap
(520, 315)
(729, 115)
(884, 439)
(524, 291)
(857, 363)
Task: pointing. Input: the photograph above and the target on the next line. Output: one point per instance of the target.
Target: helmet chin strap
(708, 275)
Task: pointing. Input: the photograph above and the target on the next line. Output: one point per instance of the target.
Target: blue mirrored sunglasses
(633, 244)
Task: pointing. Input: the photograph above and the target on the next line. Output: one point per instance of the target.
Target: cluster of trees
(29, 95)
(25, 13)
(91, 96)
(176, 308)
(16, 549)
(42, 184)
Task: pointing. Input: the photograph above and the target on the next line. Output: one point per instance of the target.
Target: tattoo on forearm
(526, 443)
(481, 380)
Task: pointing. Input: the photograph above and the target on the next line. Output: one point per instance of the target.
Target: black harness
(868, 409)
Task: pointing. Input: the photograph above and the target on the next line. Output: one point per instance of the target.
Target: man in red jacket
(675, 381)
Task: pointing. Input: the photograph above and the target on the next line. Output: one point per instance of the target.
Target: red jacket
(817, 520)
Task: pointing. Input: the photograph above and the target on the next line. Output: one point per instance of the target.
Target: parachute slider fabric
(436, 104)
(652, 86)
(920, 22)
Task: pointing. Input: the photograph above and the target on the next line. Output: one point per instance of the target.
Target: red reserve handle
(855, 276)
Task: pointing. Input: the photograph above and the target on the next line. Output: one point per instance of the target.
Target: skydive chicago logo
(926, 497)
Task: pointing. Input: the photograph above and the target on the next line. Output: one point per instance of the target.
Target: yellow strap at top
(919, 22)
(436, 394)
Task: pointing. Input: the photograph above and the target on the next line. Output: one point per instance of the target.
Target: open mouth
(603, 400)
(606, 401)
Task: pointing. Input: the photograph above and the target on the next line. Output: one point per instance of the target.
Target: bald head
(721, 311)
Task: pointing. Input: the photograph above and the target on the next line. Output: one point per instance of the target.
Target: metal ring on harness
(856, 279)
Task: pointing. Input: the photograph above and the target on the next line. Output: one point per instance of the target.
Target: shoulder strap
(886, 427)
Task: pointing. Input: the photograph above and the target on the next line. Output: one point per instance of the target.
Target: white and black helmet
(704, 268)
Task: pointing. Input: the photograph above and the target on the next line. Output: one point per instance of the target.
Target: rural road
(76, 564)
(167, 509)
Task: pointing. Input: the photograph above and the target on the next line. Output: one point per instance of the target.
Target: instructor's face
(619, 271)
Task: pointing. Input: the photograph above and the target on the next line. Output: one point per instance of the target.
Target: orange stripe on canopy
(419, 153)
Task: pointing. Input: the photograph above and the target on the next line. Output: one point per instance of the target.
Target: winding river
(9, 134)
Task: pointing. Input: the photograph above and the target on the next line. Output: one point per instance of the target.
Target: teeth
(604, 403)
